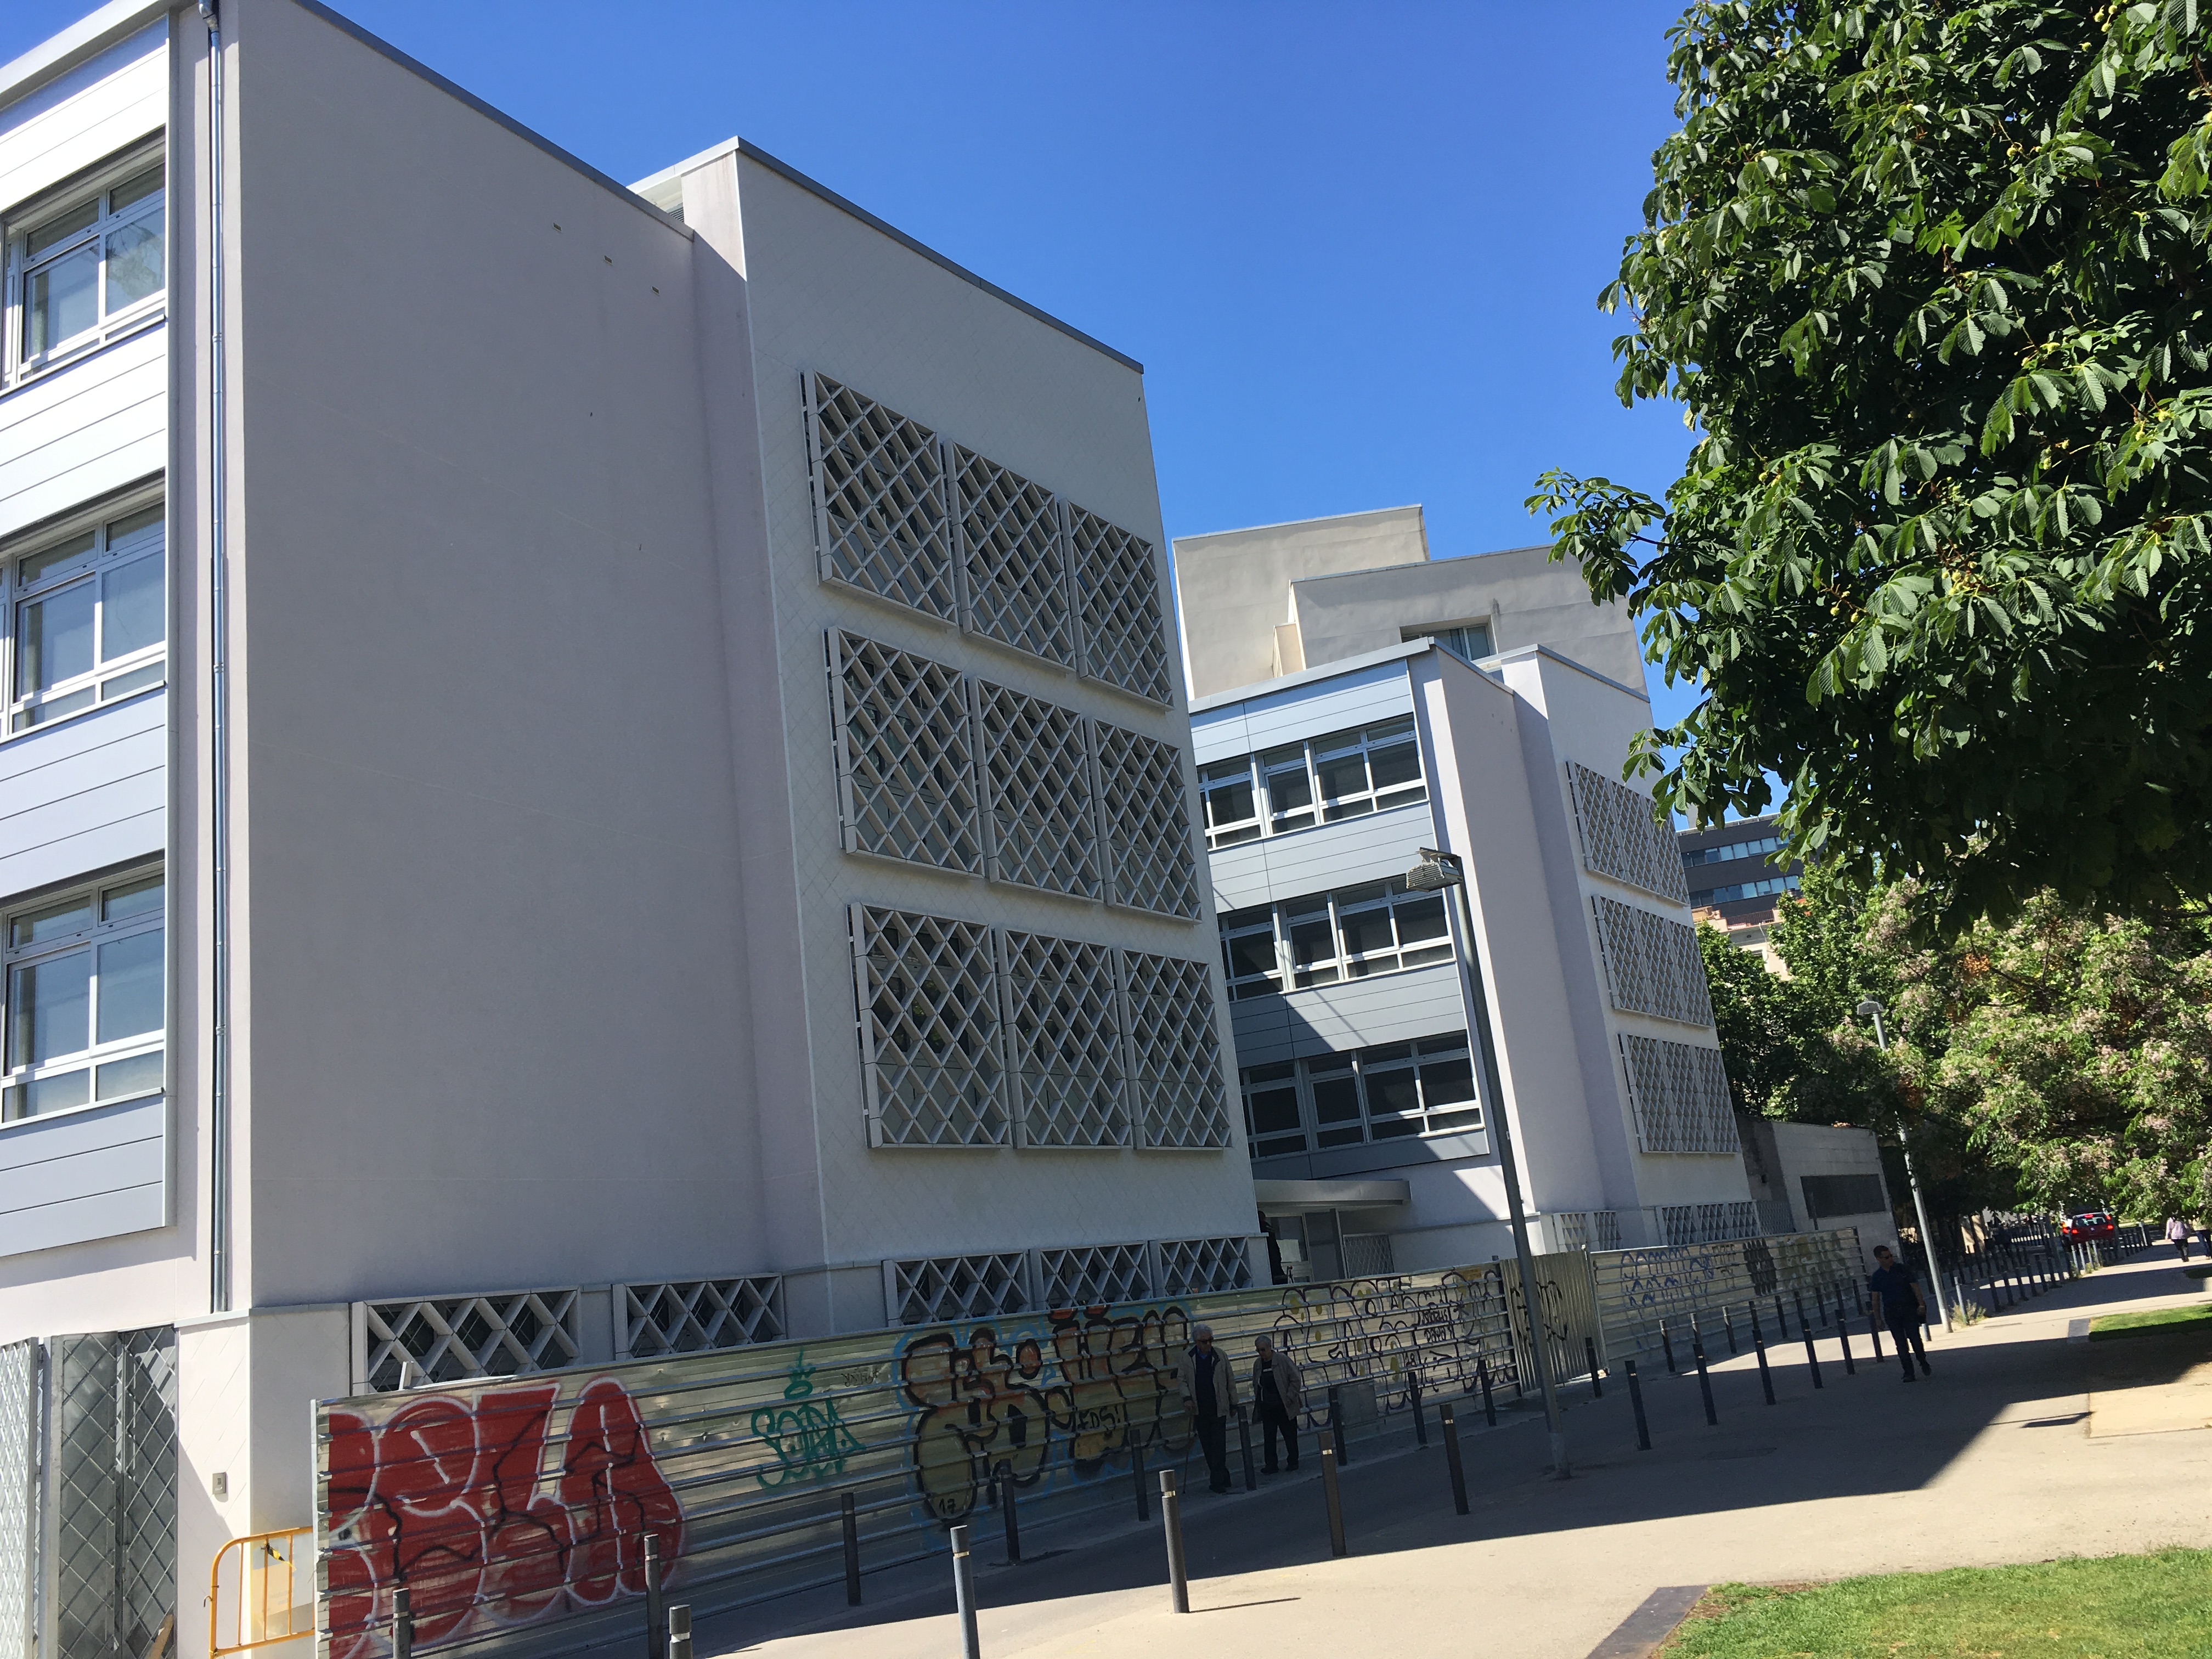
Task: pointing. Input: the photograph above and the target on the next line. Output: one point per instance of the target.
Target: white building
(585, 769)
(1482, 707)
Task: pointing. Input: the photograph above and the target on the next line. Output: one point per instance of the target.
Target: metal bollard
(963, 1598)
(1804, 1323)
(1421, 1418)
(1728, 1321)
(1844, 1335)
(1636, 1405)
(1336, 1425)
(852, 1519)
(1757, 1336)
(1705, 1381)
(1335, 1502)
(1765, 1376)
(1452, 1464)
(1137, 1478)
(1489, 1407)
(1011, 1521)
(1171, 1524)
(1874, 1333)
(1244, 1449)
(680, 1632)
(402, 1625)
(656, 1624)
(1781, 1320)
(1597, 1383)
(1812, 1359)
(1666, 1347)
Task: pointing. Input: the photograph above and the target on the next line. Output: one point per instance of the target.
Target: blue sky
(1357, 247)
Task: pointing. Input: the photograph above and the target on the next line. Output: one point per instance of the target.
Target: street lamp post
(1870, 1009)
(1435, 872)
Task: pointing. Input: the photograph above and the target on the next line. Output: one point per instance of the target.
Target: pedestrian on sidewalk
(1279, 1392)
(2177, 1234)
(1904, 1309)
(1209, 1392)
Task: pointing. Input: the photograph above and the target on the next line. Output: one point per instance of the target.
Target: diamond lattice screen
(688, 1315)
(1066, 1043)
(19, 1466)
(1190, 1267)
(1175, 1051)
(1015, 559)
(1125, 641)
(1682, 1097)
(884, 522)
(1036, 759)
(84, 1497)
(146, 1565)
(1652, 964)
(1621, 839)
(1090, 1274)
(937, 1290)
(453, 1338)
(1708, 1223)
(906, 760)
(1148, 865)
(930, 1040)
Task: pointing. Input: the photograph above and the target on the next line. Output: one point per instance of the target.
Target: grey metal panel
(1379, 693)
(1219, 737)
(93, 111)
(1389, 1008)
(88, 793)
(83, 1176)
(1314, 860)
(1339, 1161)
(80, 432)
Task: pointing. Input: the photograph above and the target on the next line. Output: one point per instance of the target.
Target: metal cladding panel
(1381, 693)
(83, 1176)
(83, 795)
(1314, 860)
(1390, 1008)
(95, 110)
(77, 433)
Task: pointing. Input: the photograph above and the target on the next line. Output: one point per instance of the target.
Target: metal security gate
(111, 1525)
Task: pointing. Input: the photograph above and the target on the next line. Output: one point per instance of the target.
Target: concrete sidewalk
(1992, 1460)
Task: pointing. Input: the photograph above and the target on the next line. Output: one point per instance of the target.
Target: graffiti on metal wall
(1389, 1330)
(805, 1435)
(494, 1511)
(1077, 1391)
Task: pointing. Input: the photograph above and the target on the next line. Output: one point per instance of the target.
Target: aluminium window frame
(1318, 809)
(17, 367)
(152, 541)
(1729, 850)
(1341, 961)
(99, 931)
(1356, 1063)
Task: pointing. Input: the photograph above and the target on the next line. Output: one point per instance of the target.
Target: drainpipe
(218, 692)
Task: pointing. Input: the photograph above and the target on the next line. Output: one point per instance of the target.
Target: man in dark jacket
(1904, 1309)
(1279, 1395)
(1209, 1386)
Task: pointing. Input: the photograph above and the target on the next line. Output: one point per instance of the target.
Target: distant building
(1735, 878)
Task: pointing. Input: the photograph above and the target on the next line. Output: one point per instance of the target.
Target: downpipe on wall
(219, 1255)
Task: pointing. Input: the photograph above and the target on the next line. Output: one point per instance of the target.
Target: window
(81, 272)
(1387, 1092)
(1468, 641)
(1734, 850)
(1323, 939)
(88, 618)
(1744, 890)
(1345, 774)
(83, 1013)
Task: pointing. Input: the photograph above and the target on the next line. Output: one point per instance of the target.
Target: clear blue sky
(1357, 247)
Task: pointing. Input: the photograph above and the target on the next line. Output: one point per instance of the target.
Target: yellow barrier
(263, 1607)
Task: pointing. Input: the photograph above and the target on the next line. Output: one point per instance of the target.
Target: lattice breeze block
(1682, 1097)
(454, 1338)
(1652, 964)
(19, 1466)
(1124, 637)
(1015, 560)
(688, 1315)
(1191, 1266)
(1092, 1274)
(882, 515)
(937, 1289)
(1621, 839)
(1066, 1031)
(906, 758)
(1148, 857)
(1036, 759)
(931, 1051)
(1174, 1051)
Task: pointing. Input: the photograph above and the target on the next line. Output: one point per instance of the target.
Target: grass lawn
(2118, 1606)
(2150, 1324)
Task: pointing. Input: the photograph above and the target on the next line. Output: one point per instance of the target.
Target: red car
(2090, 1227)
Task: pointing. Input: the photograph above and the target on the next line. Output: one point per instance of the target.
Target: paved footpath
(2024, 1445)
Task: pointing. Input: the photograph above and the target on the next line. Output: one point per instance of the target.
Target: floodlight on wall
(1436, 872)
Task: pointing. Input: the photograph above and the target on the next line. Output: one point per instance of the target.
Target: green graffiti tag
(809, 1442)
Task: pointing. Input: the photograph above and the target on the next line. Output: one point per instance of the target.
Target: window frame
(99, 931)
(1764, 887)
(1451, 635)
(1343, 965)
(1318, 810)
(95, 185)
(106, 556)
(1464, 1115)
(1727, 851)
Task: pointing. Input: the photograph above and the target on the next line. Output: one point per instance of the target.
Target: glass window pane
(1367, 933)
(147, 518)
(134, 1076)
(1396, 766)
(59, 228)
(1252, 953)
(1273, 1110)
(1342, 777)
(51, 1094)
(1420, 919)
(50, 1009)
(61, 300)
(1336, 743)
(1289, 791)
(131, 986)
(55, 921)
(1391, 1092)
(136, 680)
(130, 609)
(1230, 802)
(1312, 942)
(1336, 1100)
(1440, 1123)
(1444, 1081)
(53, 638)
(47, 563)
(1389, 731)
(134, 262)
(137, 188)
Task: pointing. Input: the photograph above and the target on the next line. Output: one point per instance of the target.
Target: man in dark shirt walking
(1904, 1309)
(1209, 1385)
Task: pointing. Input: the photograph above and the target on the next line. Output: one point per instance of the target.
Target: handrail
(268, 1559)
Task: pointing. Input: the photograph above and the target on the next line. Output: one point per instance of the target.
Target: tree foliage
(1931, 279)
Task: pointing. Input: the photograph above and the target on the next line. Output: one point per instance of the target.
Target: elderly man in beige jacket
(1279, 1395)
(1209, 1392)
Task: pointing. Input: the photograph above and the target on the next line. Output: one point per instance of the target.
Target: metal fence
(1650, 1298)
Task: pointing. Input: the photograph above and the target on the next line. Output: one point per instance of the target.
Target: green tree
(1930, 279)
(1762, 1022)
